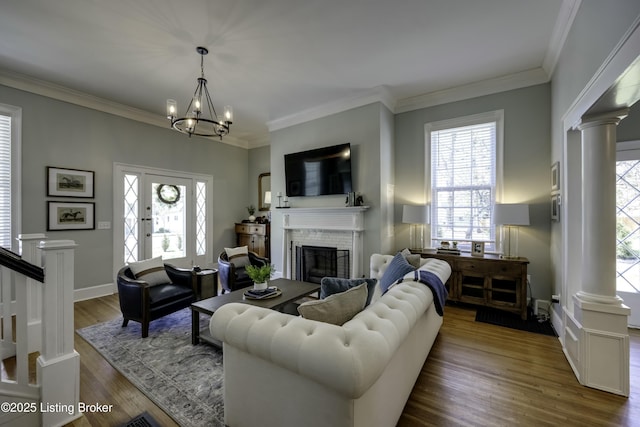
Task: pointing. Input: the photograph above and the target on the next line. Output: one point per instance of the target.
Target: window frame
(16, 171)
(496, 116)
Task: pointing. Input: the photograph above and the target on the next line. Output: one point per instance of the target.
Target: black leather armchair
(143, 303)
(233, 278)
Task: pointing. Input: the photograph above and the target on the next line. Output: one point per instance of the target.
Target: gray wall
(362, 128)
(56, 133)
(597, 29)
(526, 165)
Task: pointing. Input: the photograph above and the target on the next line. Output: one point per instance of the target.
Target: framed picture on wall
(63, 182)
(70, 216)
(555, 177)
(477, 249)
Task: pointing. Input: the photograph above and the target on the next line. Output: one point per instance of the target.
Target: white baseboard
(94, 292)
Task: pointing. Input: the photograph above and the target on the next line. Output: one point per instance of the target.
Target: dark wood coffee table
(292, 290)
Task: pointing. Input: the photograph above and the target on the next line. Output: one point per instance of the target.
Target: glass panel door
(166, 210)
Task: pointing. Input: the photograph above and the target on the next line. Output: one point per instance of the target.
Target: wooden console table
(490, 281)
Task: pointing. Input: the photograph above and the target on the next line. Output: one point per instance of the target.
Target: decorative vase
(260, 286)
(252, 218)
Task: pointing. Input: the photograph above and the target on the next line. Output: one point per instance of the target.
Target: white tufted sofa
(282, 370)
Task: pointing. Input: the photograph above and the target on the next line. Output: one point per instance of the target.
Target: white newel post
(31, 253)
(603, 359)
(59, 363)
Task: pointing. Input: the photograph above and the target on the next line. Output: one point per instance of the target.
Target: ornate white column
(596, 337)
(599, 207)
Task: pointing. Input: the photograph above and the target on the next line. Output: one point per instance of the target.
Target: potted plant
(260, 274)
(251, 209)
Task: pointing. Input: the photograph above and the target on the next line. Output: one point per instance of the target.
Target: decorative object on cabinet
(510, 216)
(63, 182)
(416, 215)
(251, 209)
(70, 216)
(477, 249)
(255, 236)
(489, 281)
(264, 191)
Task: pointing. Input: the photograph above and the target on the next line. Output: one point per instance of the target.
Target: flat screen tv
(319, 172)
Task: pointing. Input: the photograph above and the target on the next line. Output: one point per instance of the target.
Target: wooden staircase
(32, 330)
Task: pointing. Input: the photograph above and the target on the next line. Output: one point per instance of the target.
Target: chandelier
(200, 118)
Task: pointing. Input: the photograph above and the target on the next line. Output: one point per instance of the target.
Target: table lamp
(510, 216)
(416, 215)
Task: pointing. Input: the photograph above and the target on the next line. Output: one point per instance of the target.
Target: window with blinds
(463, 184)
(5, 181)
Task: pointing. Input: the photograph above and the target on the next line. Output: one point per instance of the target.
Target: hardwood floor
(476, 375)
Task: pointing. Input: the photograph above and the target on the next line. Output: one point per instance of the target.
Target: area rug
(183, 379)
(513, 321)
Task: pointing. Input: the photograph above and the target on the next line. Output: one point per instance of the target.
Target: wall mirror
(264, 191)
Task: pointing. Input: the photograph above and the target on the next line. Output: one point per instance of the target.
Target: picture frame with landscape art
(70, 216)
(62, 182)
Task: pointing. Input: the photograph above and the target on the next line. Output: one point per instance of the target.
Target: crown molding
(377, 94)
(486, 87)
(62, 93)
(566, 16)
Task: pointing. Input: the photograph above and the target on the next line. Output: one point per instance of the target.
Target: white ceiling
(272, 60)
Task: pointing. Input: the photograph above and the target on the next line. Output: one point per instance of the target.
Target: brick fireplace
(340, 228)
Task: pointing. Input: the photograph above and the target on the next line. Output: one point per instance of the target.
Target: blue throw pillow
(397, 268)
(336, 285)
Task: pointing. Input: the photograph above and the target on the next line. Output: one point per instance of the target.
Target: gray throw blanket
(434, 283)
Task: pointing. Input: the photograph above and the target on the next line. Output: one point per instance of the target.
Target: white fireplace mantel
(343, 219)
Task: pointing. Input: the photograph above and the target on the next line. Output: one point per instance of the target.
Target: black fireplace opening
(315, 262)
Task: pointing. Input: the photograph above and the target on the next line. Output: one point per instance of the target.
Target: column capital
(605, 118)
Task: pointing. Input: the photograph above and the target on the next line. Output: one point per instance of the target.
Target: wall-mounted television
(319, 172)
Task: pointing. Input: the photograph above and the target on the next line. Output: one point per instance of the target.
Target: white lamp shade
(267, 197)
(511, 214)
(414, 214)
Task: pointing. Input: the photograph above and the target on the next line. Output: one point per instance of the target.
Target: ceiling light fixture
(200, 118)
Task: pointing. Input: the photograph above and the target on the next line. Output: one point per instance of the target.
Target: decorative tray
(249, 295)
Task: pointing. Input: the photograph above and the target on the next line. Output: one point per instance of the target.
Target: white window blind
(5, 181)
(463, 183)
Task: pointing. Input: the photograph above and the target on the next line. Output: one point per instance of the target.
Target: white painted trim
(61, 93)
(564, 22)
(377, 94)
(486, 87)
(621, 57)
(92, 292)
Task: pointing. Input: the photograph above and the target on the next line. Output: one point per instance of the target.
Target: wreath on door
(169, 194)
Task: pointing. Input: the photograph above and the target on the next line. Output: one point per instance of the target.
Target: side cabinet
(255, 237)
(489, 281)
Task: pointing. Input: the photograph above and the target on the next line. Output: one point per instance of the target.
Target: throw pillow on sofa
(335, 285)
(337, 308)
(151, 271)
(238, 256)
(396, 270)
(413, 259)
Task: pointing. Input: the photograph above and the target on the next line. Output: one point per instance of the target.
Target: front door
(163, 213)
